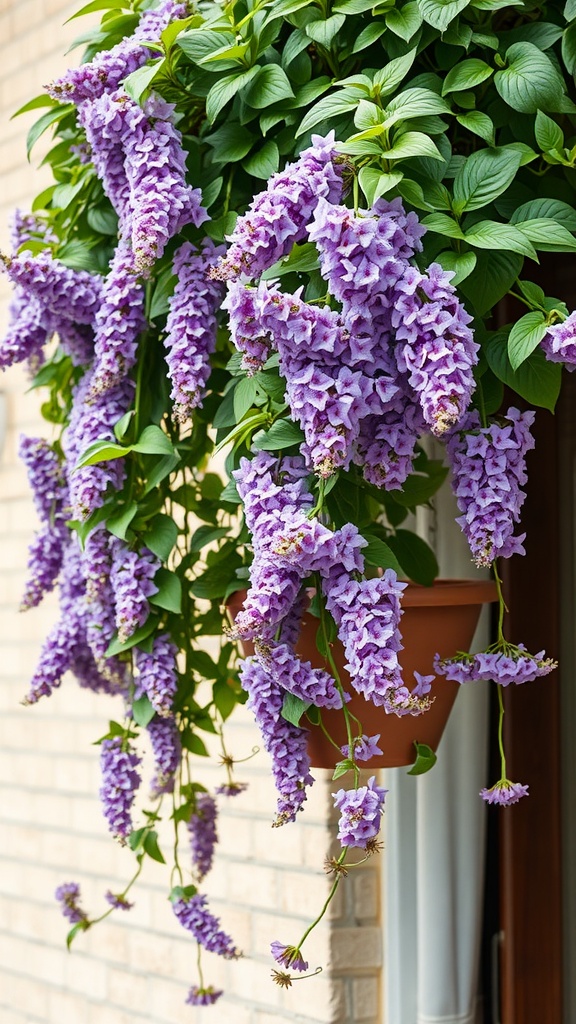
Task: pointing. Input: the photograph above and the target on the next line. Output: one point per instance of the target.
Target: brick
(356, 949)
(365, 999)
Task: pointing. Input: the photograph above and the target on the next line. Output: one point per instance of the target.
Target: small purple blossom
(117, 901)
(504, 793)
(559, 343)
(289, 956)
(193, 915)
(203, 834)
(68, 895)
(120, 780)
(132, 579)
(231, 788)
(157, 674)
(205, 996)
(167, 748)
(365, 748)
(360, 813)
(489, 469)
(504, 663)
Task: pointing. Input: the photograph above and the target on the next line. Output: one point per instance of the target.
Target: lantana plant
(277, 235)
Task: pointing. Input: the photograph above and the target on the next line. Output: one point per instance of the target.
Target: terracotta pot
(439, 619)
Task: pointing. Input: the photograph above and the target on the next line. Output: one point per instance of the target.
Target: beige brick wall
(134, 967)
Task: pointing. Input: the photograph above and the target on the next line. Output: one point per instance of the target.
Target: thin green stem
(501, 732)
(503, 608)
(328, 901)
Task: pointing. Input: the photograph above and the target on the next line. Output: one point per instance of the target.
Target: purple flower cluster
(203, 996)
(194, 916)
(504, 663)
(99, 611)
(203, 834)
(66, 294)
(504, 793)
(167, 748)
(300, 678)
(50, 494)
(360, 813)
(110, 67)
(68, 895)
(132, 580)
(278, 217)
(489, 469)
(559, 343)
(364, 748)
(285, 743)
(191, 326)
(120, 780)
(157, 674)
(119, 321)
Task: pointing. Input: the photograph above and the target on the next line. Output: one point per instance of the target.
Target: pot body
(440, 620)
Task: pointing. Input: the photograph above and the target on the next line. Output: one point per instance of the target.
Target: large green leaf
(525, 335)
(478, 123)
(329, 107)
(404, 21)
(547, 235)
(491, 234)
(553, 209)
(549, 135)
(388, 79)
(484, 176)
(225, 89)
(269, 85)
(536, 380)
(439, 13)
(466, 75)
(416, 557)
(530, 81)
(495, 275)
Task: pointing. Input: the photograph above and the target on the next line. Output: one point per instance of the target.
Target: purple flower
(157, 674)
(231, 788)
(278, 217)
(50, 493)
(386, 446)
(203, 834)
(45, 558)
(360, 813)
(313, 685)
(68, 894)
(504, 663)
(489, 468)
(191, 326)
(289, 956)
(559, 343)
(167, 748)
(504, 793)
(117, 901)
(100, 610)
(204, 996)
(132, 579)
(435, 347)
(285, 743)
(120, 780)
(67, 294)
(365, 748)
(194, 916)
(119, 322)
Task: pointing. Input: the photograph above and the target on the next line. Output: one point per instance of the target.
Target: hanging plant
(279, 231)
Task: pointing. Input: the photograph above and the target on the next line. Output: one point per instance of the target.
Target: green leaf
(369, 35)
(80, 926)
(231, 142)
(531, 81)
(293, 708)
(153, 441)
(281, 8)
(119, 523)
(552, 209)
(39, 101)
(491, 234)
(43, 123)
(548, 236)
(245, 394)
(192, 742)
(376, 183)
(413, 193)
(570, 10)
(419, 488)
(264, 162)
(142, 711)
(329, 107)
(323, 31)
(439, 13)
(212, 584)
(536, 380)
(160, 471)
(99, 5)
(282, 434)
(416, 557)
(495, 275)
(102, 220)
(569, 48)
(478, 123)
(151, 847)
(412, 144)
(269, 85)
(224, 698)
(525, 335)
(388, 79)
(548, 134)
(483, 177)
(466, 75)
(115, 647)
(378, 553)
(101, 451)
(414, 103)
(462, 264)
(225, 89)
(425, 759)
(341, 768)
(138, 83)
(169, 596)
(533, 292)
(442, 224)
(161, 536)
(404, 21)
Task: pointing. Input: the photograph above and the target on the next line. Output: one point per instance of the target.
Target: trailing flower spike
(206, 272)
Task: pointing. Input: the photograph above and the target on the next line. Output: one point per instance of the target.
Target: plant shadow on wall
(279, 230)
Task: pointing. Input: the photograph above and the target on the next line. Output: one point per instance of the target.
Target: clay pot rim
(450, 592)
